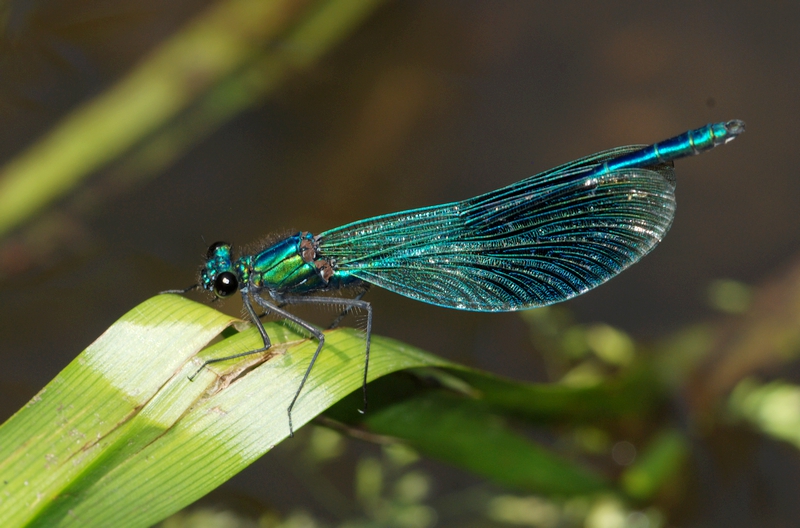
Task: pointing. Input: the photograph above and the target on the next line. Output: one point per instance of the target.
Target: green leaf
(465, 425)
(635, 391)
(454, 422)
(464, 433)
(121, 437)
(659, 463)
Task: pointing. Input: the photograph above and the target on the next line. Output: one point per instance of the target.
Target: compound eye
(225, 284)
(212, 249)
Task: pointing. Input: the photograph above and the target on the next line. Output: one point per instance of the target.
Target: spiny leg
(261, 330)
(350, 308)
(350, 304)
(339, 317)
(266, 312)
(181, 292)
(303, 324)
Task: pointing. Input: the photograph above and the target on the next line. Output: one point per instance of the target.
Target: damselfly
(536, 242)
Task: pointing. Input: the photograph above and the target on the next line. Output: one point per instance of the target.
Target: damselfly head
(217, 274)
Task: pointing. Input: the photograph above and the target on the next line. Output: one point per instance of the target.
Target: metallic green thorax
(281, 267)
(290, 265)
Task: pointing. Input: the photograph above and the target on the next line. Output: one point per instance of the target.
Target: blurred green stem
(222, 42)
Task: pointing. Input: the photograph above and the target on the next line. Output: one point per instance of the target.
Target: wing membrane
(536, 242)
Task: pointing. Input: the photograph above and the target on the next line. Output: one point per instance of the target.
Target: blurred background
(136, 133)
